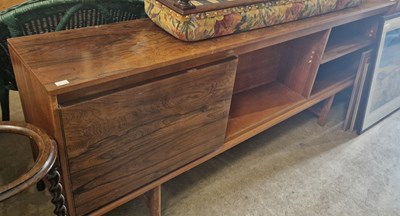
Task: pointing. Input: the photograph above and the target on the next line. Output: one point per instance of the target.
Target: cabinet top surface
(96, 55)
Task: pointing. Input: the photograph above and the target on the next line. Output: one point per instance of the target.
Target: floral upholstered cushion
(200, 26)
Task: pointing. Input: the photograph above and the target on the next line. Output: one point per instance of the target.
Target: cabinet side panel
(303, 60)
(40, 109)
(122, 141)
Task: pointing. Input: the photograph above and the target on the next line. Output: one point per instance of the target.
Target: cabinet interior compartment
(349, 38)
(273, 80)
(336, 75)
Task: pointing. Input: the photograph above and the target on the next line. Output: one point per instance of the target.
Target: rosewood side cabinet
(132, 107)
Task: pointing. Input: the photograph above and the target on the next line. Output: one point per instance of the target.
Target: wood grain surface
(119, 110)
(86, 57)
(40, 109)
(122, 141)
(153, 201)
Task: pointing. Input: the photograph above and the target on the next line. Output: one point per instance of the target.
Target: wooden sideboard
(132, 107)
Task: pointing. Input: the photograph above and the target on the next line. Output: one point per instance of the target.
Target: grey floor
(296, 168)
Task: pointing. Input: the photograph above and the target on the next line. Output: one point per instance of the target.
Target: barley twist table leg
(56, 190)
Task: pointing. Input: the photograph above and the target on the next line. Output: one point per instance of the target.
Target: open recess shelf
(349, 38)
(259, 105)
(336, 76)
(271, 82)
(265, 103)
(269, 91)
(350, 45)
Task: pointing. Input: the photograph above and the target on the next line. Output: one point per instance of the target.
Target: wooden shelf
(264, 106)
(256, 106)
(334, 78)
(336, 50)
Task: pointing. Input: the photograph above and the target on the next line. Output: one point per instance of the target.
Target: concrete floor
(296, 168)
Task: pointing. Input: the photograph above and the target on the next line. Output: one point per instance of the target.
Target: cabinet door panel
(121, 141)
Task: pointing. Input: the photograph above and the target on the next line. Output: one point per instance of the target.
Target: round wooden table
(43, 167)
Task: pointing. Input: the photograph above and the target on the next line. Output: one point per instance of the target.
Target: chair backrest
(42, 16)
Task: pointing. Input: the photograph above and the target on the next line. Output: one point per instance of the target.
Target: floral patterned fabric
(216, 23)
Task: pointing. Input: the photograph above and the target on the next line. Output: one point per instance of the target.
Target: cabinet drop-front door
(120, 141)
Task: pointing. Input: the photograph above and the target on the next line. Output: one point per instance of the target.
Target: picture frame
(383, 96)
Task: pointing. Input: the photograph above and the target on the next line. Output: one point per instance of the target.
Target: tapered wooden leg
(56, 190)
(153, 201)
(323, 116)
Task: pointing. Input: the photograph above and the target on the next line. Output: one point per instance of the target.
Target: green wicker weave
(42, 16)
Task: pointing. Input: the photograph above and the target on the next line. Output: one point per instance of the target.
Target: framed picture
(383, 96)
